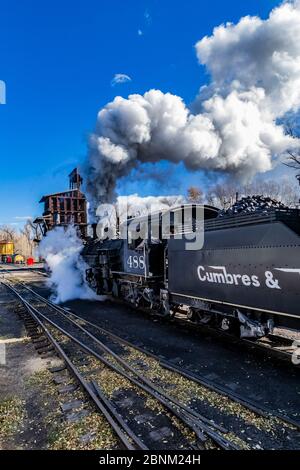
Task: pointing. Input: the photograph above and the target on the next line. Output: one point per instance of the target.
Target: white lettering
(201, 268)
(219, 278)
(120, 461)
(236, 278)
(224, 277)
(219, 275)
(271, 282)
(246, 280)
(255, 281)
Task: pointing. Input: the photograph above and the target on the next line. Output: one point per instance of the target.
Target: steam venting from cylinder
(61, 250)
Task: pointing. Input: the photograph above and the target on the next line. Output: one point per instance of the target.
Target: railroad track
(138, 401)
(194, 376)
(278, 346)
(110, 351)
(275, 345)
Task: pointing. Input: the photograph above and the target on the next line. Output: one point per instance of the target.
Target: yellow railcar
(6, 248)
(19, 259)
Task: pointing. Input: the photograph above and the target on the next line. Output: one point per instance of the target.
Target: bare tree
(222, 195)
(37, 234)
(23, 240)
(195, 195)
(7, 233)
(28, 235)
(284, 190)
(293, 159)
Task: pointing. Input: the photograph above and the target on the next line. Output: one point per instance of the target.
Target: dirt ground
(30, 404)
(256, 376)
(21, 410)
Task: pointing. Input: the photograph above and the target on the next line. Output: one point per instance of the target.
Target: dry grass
(12, 413)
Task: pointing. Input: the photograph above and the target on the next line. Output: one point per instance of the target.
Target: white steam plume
(61, 249)
(134, 205)
(255, 80)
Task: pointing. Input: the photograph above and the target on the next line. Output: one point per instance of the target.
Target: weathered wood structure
(65, 208)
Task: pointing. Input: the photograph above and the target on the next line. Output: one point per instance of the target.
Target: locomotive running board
(232, 305)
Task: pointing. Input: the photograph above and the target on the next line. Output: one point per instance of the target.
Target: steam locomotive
(245, 278)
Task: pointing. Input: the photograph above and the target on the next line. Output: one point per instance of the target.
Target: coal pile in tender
(250, 204)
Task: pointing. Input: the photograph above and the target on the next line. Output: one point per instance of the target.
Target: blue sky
(58, 59)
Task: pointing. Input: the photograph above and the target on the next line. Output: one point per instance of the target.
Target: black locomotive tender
(246, 278)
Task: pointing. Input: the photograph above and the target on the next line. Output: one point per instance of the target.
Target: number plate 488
(136, 262)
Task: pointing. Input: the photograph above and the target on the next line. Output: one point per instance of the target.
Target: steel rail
(191, 418)
(251, 405)
(256, 407)
(111, 417)
(187, 420)
(258, 345)
(66, 315)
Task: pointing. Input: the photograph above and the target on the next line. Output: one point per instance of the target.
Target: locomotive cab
(144, 277)
(144, 250)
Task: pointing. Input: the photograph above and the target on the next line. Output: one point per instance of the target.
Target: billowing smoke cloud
(260, 54)
(61, 249)
(233, 124)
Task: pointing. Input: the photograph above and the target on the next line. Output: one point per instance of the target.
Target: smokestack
(94, 229)
(118, 226)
